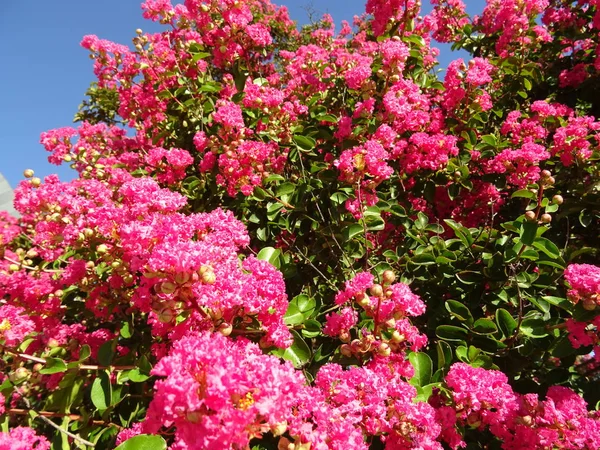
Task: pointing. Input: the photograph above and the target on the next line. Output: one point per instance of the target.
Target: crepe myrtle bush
(310, 239)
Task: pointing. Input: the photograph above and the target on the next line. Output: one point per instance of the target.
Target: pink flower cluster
(483, 398)
(23, 438)
(15, 325)
(220, 393)
(378, 401)
(389, 305)
(584, 280)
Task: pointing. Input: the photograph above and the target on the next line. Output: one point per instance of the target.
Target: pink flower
(479, 72)
(22, 438)
(584, 280)
(220, 393)
(338, 324)
(229, 115)
(15, 325)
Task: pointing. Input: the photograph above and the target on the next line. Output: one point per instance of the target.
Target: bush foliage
(315, 239)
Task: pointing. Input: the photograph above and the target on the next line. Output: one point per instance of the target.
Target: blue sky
(44, 73)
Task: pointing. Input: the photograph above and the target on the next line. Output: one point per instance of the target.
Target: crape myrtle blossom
(23, 438)
(176, 264)
(484, 398)
(220, 393)
(344, 158)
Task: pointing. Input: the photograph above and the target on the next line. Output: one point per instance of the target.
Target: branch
(53, 425)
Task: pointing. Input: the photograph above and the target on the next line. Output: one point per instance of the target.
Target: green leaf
(528, 232)
(484, 326)
(559, 301)
(144, 442)
(101, 393)
(585, 218)
(211, 87)
(469, 277)
(137, 376)
(298, 353)
(444, 354)
(107, 353)
(530, 254)
(200, 55)
(424, 259)
(306, 304)
(489, 139)
(547, 246)
(327, 118)
(451, 333)
(293, 316)
(305, 142)
(352, 230)
(462, 353)
(423, 368)
(53, 365)
(126, 330)
(524, 193)
(461, 232)
(312, 329)
(271, 255)
(562, 347)
(534, 328)
(339, 197)
(285, 189)
(460, 311)
(506, 322)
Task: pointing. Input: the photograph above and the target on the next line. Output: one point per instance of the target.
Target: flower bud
(589, 304)
(19, 375)
(346, 350)
(36, 182)
(530, 216)
(209, 277)
(525, 420)
(546, 174)
(13, 268)
(101, 249)
(397, 337)
(384, 349)
(376, 290)
(473, 420)
(279, 428)
(388, 276)
(557, 199)
(182, 277)
(225, 329)
(168, 288)
(546, 218)
(166, 315)
(364, 301)
(28, 173)
(193, 416)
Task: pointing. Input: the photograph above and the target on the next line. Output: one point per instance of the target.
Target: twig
(80, 367)
(57, 427)
(31, 267)
(77, 417)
